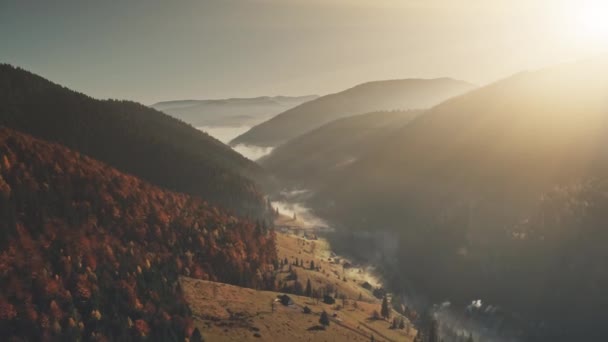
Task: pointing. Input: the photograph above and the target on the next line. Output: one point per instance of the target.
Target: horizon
(245, 49)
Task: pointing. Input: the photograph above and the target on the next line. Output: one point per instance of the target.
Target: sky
(152, 50)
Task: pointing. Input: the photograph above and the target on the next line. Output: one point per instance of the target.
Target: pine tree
(196, 336)
(297, 288)
(385, 310)
(308, 291)
(312, 265)
(324, 319)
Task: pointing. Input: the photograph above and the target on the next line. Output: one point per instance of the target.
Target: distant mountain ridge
(133, 138)
(364, 98)
(231, 111)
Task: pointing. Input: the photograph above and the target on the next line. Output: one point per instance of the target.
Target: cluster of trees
(134, 139)
(297, 263)
(291, 283)
(88, 252)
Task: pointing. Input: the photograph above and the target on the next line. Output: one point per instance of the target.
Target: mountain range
(364, 98)
(495, 194)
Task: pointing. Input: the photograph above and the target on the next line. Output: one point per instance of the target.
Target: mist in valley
(226, 133)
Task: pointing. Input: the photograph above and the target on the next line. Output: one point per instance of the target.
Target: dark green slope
(131, 137)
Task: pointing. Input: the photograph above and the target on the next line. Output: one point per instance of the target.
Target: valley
(299, 171)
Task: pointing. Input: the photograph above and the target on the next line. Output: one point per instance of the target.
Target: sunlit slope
(364, 98)
(467, 193)
(511, 139)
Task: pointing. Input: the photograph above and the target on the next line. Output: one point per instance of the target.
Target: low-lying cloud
(226, 133)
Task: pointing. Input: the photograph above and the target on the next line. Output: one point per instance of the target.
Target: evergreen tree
(324, 319)
(312, 265)
(297, 288)
(385, 310)
(308, 291)
(196, 336)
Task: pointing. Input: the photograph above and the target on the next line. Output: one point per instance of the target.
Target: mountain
(314, 156)
(364, 98)
(90, 253)
(230, 112)
(497, 194)
(131, 137)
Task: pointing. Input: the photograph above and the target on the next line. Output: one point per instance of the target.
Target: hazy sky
(150, 50)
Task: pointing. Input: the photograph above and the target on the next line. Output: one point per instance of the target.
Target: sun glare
(594, 19)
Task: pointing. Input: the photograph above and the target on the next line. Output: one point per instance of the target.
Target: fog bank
(226, 133)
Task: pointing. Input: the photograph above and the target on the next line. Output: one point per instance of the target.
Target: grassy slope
(229, 313)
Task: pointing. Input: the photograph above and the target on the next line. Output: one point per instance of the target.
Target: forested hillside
(87, 252)
(497, 194)
(308, 160)
(133, 138)
(364, 98)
